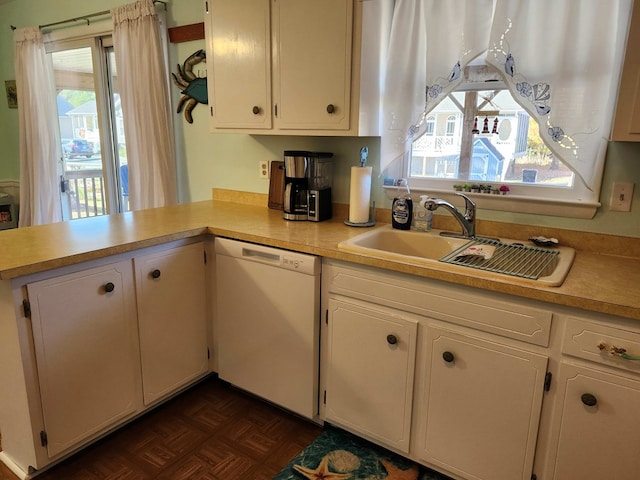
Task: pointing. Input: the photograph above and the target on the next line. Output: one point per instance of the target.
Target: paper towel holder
(372, 218)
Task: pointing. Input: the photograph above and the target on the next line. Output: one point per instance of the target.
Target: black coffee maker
(296, 163)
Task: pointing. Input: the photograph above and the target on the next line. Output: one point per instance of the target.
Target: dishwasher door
(268, 323)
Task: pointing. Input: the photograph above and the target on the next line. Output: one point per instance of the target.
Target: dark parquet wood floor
(210, 432)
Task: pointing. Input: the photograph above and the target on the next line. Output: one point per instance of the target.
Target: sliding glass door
(93, 171)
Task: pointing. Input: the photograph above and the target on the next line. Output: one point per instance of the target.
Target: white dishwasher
(268, 323)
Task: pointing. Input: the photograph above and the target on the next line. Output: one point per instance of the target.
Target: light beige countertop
(599, 280)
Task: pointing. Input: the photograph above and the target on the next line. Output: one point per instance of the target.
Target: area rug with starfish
(339, 455)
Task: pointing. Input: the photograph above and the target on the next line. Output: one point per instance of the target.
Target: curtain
(37, 124)
(146, 106)
(561, 61)
(431, 42)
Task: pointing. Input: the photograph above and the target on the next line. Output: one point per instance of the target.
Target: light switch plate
(621, 196)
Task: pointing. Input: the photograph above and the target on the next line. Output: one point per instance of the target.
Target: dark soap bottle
(402, 208)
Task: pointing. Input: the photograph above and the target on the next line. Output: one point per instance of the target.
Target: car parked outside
(78, 147)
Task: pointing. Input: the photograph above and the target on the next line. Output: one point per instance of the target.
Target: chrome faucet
(467, 221)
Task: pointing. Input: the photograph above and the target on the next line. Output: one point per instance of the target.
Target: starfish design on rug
(321, 472)
(394, 473)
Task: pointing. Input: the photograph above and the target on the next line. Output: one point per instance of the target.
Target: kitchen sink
(514, 258)
(398, 244)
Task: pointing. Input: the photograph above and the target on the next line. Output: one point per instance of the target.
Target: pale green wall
(231, 161)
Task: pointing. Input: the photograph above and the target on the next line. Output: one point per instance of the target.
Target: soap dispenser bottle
(423, 216)
(402, 208)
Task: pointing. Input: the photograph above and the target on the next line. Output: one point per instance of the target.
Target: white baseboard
(13, 467)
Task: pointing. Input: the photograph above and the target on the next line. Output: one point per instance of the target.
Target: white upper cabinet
(312, 44)
(292, 67)
(626, 125)
(239, 64)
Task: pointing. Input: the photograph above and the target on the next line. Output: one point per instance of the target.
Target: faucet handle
(469, 207)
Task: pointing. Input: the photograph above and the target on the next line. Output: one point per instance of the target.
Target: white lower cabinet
(596, 427)
(461, 400)
(370, 365)
(171, 298)
(105, 339)
(86, 344)
(479, 407)
(503, 388)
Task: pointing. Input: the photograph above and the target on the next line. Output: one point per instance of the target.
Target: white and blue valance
(560, 60)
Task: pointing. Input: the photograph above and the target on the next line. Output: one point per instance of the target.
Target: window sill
(512, 203)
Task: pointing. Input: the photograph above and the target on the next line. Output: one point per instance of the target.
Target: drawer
(453, 304)
(582, 339)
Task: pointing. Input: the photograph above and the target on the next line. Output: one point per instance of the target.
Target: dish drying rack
(511, 259)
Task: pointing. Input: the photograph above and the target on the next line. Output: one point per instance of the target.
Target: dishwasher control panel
(292, 263)
(298, 262)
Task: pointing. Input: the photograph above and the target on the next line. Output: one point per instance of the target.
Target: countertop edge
(257, 224)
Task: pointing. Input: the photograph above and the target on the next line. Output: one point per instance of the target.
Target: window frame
(576, 201)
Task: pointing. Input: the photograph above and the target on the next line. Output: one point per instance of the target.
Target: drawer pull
(616, 351)
(392, 339)
(589, 399)
(109, 287)
(448, 357)
(156, 273)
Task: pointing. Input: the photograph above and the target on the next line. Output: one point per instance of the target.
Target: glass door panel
(119, 141)
(94, 171)
(83, 191)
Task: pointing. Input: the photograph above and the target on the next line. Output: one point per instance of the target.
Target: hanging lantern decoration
(475, 127)
(485, 125)
(495, 126)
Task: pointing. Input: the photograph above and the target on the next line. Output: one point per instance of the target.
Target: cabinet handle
(589, 399)
(392, 339)
(448, 357)
(331, 108)
(109, 287)
(256, 110)
(616, 351)
(155, 273)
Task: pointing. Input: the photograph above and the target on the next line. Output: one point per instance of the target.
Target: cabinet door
(595, 426)
(370, 370)
(172, 318)
(86, 344)
(480, 406)
(312, 63)
(626, 124)
(239, 63)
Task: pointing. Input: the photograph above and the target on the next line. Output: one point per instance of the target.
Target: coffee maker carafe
(296, 163)
(319, 176)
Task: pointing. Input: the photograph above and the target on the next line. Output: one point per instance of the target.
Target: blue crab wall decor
(192, 87)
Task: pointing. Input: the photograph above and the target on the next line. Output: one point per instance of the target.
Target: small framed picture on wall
(12, 93)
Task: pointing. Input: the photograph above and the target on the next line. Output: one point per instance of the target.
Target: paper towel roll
(360, 194)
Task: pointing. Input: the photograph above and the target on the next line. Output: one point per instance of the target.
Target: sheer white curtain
(561, 60)
(430, 42)
(37, 123)
(146, 107)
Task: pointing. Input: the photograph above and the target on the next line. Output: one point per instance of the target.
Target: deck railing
(86, 193)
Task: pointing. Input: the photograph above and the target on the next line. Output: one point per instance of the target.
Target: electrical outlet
(264, 169)
(621, 196)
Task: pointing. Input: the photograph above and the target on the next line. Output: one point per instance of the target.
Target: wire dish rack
(511, 259)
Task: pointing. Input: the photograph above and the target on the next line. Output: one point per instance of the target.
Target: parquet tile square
(210, 432)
